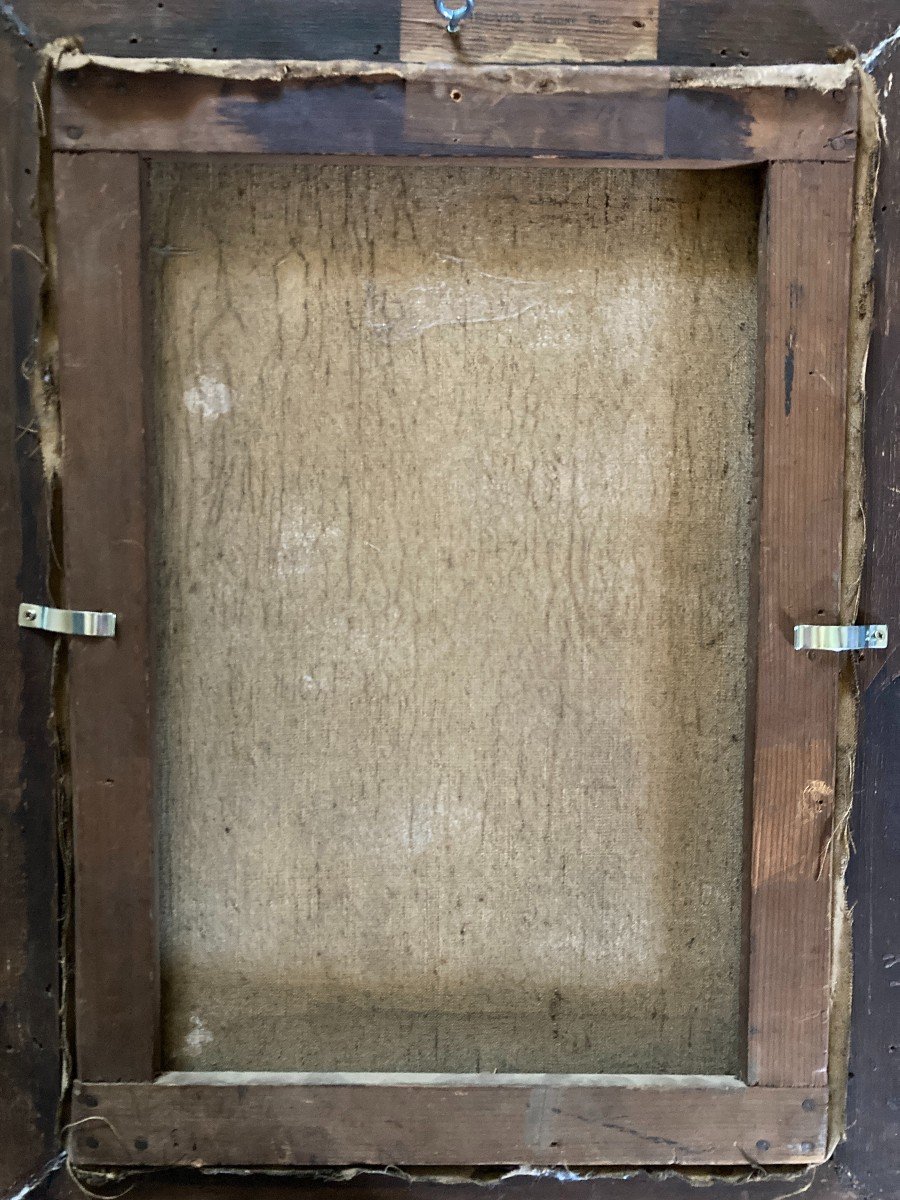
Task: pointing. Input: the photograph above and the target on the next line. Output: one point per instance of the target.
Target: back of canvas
(454, 494)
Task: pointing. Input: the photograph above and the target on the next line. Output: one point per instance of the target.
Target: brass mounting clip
(67, 620)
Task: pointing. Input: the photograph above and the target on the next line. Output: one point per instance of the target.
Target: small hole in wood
(134, 40)
(377, 49)
(456, 95)
(91, 1142)
(140, 1143)
(638, 24)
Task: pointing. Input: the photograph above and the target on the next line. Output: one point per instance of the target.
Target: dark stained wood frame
(105, 125)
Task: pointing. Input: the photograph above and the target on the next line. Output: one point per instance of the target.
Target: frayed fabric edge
(854, 543)
(65, 55)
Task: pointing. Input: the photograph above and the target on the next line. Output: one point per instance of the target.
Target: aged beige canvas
(453, 495)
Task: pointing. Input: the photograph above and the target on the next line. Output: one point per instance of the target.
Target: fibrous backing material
(454, 490)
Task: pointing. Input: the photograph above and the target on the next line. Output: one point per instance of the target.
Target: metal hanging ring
(454, 16)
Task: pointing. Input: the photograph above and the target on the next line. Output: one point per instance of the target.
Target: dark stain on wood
(105, 96)
(627, 114)
(707, 123)
(695, 32)
(737, 32)
(348, 116)
(105, 512)
(359, 29)
(795, 295)
(29, 947)
(789, 372)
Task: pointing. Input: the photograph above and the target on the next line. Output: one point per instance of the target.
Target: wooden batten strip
(105, 516)
(200, 1121)
(804, 291)
(632, 115)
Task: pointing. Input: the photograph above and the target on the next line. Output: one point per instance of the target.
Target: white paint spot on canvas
(302, 544)
(469, 296)
(209, 398)
(311, 685)
(198, 1037)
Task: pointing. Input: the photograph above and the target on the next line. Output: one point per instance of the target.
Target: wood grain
(873, 880)
(630, 114)
(105, 514)
(526, 31)
(701, 32)
(625, 117)
(804, 290)
(29, 892)
(235, 1120)
(726, 32)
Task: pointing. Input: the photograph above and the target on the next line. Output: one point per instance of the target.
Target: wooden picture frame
(106, 124)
